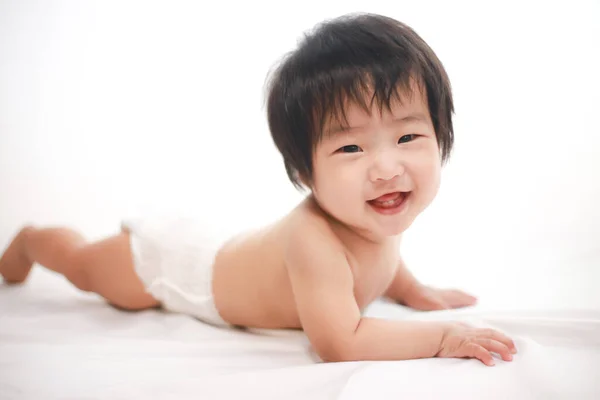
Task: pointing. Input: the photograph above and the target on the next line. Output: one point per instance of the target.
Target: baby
(361, 113)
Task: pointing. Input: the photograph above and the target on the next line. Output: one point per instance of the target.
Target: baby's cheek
(435, 177)
(429, 181)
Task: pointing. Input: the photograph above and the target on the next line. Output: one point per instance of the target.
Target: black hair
(339, 61)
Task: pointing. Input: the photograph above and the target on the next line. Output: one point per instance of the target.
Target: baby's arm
(323, 288)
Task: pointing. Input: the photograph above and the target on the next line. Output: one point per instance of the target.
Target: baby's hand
(425, 298)
(460, 340)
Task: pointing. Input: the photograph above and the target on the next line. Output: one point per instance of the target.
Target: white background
(118, 108)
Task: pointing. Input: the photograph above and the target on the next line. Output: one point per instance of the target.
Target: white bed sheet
(59, 343)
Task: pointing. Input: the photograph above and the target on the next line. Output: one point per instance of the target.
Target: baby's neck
(350, 235)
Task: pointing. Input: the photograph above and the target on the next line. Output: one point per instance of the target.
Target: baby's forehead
(351, 113)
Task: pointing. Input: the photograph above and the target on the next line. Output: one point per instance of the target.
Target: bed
(59, 343)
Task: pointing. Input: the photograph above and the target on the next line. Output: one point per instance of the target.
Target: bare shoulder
(309, 229)
(312, 249)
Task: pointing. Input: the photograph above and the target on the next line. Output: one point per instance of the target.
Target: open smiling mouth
(390, 203)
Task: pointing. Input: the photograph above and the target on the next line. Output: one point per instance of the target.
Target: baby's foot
(14, 264)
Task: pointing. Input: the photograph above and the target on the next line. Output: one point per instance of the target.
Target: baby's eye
(350, 149)
(407, 138)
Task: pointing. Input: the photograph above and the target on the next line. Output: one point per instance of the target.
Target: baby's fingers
(475, 350)
(495, 346)
(502, 338)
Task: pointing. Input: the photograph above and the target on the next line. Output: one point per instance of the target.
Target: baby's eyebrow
(414, 117)
(337, 129)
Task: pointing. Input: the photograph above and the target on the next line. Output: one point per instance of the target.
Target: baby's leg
(104, 267)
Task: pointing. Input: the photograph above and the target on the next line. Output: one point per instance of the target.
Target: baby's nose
(387, 166)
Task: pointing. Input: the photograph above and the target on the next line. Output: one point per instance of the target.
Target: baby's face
(379, 174)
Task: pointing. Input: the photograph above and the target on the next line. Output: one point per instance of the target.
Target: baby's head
(363, 108)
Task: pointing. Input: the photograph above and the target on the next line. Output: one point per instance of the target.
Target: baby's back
(251, 284)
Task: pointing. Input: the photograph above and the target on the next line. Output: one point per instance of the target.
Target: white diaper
(174, 259)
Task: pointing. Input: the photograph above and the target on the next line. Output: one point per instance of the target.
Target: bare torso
(251, 283)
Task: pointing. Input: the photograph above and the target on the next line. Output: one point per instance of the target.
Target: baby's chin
(369, 224)
(382, 230)
(394, 226)
(393, 231)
